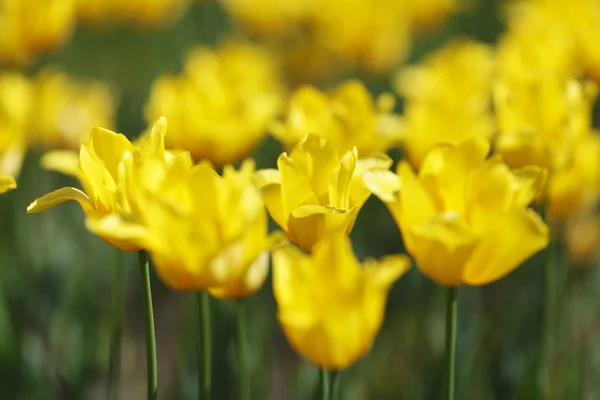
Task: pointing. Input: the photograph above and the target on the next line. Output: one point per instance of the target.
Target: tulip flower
(329, 306)
(67, 109)
(464, 218)
(314, 193)
(97, 170)
(15, 101)
(447, 98)
(348, 116)
(170, 213)
(30, 27)
(220, 107)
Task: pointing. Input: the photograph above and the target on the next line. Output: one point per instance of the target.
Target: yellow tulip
(329, 306)
(464, 218)
(220, 107)
(315, 193)
(30, 27)
(15, 104)
(348, 117)
(576, 186)
(202, 230)
(98, 171)
(447, 98)
(582, 237)
(66, 109)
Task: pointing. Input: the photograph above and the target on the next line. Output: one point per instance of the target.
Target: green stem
(242, 326)
(549, 315)
(335, 385)
(451, 316)
(117, 307)
(324, 383)
(149, 325)
(204, 349)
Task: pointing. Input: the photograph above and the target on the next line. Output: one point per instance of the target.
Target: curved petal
(446, 171)
(359, 192)
(441, 248)
(315, 157)
(339, 186)
(110, 147)
(154, 144)
(296, 187)
(414, 206)
(309, 224)
(60, 196)
(7, 183)
(127, 236)
(507, 240)
(64, 161)
(383, 184)
(381, 274)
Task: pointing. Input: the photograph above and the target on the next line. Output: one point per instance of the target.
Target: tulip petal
(7, 183)
(309, 224)
(154, 144)
(289, 267)
(385, 271)
(445, 171)
(359, 192)
(64, 161)
(383, 184)
(60, 196)
(415, 205)
(339, 187)
(441, 248)
(296, 187)
(110, 147)
(127, 236)
(531, 181)
(269, 183)
(507, 239)
(315, 158)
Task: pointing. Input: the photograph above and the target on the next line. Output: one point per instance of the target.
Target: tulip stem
(324, 383)
(335, 385)
(451, 316)
(242, 327)
(149, 325)
(204, 349)
(118, 288)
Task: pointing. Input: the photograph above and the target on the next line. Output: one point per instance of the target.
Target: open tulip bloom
(329, 306)
(315, 193)
(464, 218)
(99, 170)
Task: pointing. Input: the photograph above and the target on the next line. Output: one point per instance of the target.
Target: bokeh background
(56, 278)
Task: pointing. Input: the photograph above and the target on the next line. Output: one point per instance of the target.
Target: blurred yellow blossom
(332, 32)
(15, 104)
(315, 192)
(98, 168)
(582, 237)
(141, 12)
(219, 108)
(544, 115)
(29, 27)
(66, 110)
(348, 116)
(172, 214)
(464, 218)
(577, 22)
(447, 97)
(329, 306)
